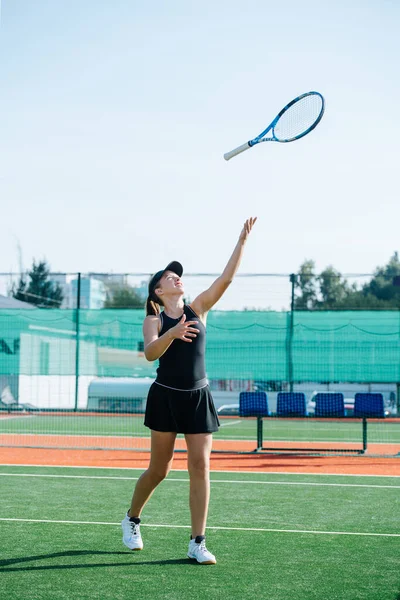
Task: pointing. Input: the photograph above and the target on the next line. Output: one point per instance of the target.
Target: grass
(300, 546)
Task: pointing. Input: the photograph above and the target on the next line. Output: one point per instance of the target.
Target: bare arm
(206, 300)
(155, 345)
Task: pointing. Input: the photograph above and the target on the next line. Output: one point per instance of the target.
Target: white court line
(15, 417)
(240, 481)
(253, 472)
(358, 533)
(230, 423)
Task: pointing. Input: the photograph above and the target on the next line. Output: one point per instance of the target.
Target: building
(119, 279)
(93, 293)
(64, 281)
(10, 327)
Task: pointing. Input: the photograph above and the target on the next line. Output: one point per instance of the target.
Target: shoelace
(134, 527)
(202, 546)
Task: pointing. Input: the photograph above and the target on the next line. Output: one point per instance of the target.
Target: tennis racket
(298, 118)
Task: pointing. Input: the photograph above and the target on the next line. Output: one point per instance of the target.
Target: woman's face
(170, 284)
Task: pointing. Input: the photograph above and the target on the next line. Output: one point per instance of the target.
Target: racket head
(299, 117)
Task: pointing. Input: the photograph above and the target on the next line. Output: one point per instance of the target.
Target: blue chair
(291, 404)
(369, 405)
(329, 404)
(253, 404)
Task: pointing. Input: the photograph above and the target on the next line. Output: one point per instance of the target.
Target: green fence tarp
(357, 346)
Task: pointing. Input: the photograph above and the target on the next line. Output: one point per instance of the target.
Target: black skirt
(181, 411)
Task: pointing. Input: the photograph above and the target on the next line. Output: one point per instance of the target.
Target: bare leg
(199, 450)
(162, 450)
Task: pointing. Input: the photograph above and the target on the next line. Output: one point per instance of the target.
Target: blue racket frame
(261, 137)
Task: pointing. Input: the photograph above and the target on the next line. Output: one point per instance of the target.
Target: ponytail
(152, 307)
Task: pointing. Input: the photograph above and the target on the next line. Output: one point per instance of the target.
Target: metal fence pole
(259, 433)
(290, 334)
(365, 440)
(77, 345)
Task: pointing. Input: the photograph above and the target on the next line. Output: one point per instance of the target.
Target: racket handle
(237, 151)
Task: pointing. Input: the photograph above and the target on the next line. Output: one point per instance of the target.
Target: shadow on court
(7, 564)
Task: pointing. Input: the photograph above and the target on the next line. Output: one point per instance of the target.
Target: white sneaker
(131, 534)
(200, 553)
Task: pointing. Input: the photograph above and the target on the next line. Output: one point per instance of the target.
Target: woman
(179, 401)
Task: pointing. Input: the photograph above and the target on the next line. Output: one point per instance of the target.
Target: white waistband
(180, 389)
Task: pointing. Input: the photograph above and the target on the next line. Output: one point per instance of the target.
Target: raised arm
(206, 300)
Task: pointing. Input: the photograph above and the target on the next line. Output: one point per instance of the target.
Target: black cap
(173, 266)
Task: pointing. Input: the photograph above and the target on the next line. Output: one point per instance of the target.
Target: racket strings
(299, 118)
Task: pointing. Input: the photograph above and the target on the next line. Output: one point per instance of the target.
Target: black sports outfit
(180, 400)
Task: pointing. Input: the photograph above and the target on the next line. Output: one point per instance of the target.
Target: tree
(39, 290)
(18, 290)
(306, 286)
(381, 285)
(123, 296)
(331, 291)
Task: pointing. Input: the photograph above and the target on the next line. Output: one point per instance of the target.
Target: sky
(114, 118)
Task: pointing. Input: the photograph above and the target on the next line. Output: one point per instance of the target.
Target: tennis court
(276, 535)
(298, 523)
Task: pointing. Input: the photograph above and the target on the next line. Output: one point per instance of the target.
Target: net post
(289, 347)
(364, 428)
(259, 433)
(77, 348)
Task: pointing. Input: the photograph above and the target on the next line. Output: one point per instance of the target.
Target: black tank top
(182, 366)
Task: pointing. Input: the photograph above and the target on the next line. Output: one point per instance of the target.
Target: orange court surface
(262, 461)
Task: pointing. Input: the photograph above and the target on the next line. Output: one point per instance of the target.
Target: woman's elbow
(149, 356)
(226, 282)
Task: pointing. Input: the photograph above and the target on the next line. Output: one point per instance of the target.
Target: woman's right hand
(184, 330)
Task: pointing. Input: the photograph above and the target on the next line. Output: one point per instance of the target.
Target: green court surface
(234, 428)
(276, 536)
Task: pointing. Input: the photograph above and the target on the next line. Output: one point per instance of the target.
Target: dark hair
(153, 305)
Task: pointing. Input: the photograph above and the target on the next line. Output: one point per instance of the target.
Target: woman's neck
(174, 308)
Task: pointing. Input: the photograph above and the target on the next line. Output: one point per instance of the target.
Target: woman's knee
(199, 450)
(199, 467)
(159, 472)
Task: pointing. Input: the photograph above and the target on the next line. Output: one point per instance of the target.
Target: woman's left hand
(247, 227)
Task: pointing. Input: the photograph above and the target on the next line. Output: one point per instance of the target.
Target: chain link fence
(85, 356)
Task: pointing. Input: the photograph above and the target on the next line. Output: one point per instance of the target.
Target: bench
(328, 405)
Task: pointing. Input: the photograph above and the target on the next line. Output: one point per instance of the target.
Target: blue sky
(115, 117)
